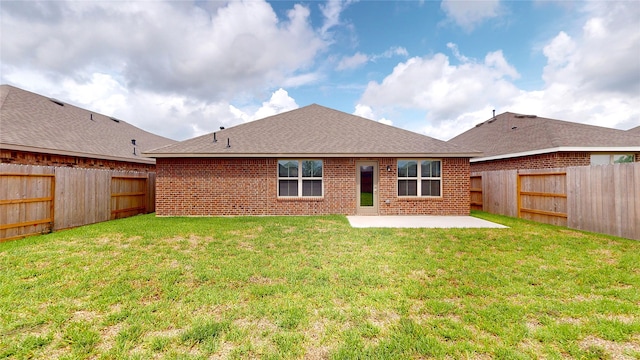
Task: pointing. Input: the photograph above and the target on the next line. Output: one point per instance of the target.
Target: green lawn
(366, 199)
(312, 287)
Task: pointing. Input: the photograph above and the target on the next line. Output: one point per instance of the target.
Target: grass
(366, 199)
(313, 287)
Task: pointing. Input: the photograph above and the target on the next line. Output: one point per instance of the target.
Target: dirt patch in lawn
(316, 335)
(108, 337)
(616, 350)
(260, 330)
(261, 280)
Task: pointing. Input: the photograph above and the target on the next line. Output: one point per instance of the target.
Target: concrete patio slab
(444, 222)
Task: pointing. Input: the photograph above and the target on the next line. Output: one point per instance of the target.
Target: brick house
(512, 141)
(37, 130)
(313, 160)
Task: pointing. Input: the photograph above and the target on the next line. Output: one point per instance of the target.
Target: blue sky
(185, 68)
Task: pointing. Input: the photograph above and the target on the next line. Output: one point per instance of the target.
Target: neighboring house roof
(634, 131)
(512, 135)
(35, 123)
(312, 130)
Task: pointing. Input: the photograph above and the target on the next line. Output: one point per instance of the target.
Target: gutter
(140, 160)
(307, 155)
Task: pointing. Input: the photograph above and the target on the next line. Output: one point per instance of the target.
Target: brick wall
(455, 198)
(541, 161)
(31, 158)
(205, 187)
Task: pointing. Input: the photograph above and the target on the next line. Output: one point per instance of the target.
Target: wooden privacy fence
(39, 199)
(476, 192)
(604, 198)
(128, 195)
(542, 197)
(26, 215)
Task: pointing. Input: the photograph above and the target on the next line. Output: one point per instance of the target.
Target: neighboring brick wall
(206, 187)
(542, 161)
(31, 158)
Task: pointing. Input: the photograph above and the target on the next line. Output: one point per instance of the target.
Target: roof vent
(56, 101)
(221, 127)
(133, 142)
(493, 118)
(513, 128)
(478, 125)
(520, 116)
(114, 119)
(91, 116)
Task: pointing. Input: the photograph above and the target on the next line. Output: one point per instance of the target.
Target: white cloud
(592, 76)
(352, 62)
(280, 102)
(331, 12)
(456, 52)
(300, 80)
(446, 130)
(442, 89)
(470, 13)
(162, 46)
(391, 52)
(364, 111)
(175, 116)
(367, 112)
(359, 59)
(169, 67)
(497, 61)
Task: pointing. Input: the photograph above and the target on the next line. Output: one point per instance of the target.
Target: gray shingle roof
(634, 131)
(33, 122)
(511, 133)
(312, 130)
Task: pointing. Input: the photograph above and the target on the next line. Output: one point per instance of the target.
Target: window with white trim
(420, 178)
(300, 178)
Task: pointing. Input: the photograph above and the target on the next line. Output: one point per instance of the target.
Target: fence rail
(26, 213)
(128, 196)
(30, 196)
(604, 198)
(541, 197)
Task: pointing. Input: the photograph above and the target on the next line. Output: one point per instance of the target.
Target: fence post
(518, 195)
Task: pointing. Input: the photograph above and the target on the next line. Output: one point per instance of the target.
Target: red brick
(206, 187)
(32, 158)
